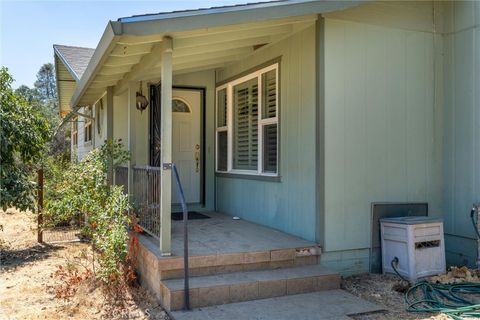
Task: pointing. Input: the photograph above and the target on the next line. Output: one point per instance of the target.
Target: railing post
(166, 148)
(40, 206)
(186, 280)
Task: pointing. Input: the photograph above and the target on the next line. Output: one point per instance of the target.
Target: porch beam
(145, 63)
(231, 36)
(166, 147)
(109, 130)
(131, 134)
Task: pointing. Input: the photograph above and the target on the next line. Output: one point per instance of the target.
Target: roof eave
(107, 42)
(181, 21)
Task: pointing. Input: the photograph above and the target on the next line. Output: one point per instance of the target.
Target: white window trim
(261, 123)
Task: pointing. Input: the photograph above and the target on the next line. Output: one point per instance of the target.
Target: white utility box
(418, 244)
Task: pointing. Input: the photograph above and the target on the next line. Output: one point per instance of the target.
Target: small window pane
(270, 148)
(269, 95)
(222, 151)
(245, 125)
(222, 108)
(179, 106)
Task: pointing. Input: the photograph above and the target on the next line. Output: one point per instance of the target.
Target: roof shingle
(76, 58)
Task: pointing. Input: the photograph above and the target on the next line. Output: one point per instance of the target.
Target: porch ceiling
(130, 48)
(134, 58)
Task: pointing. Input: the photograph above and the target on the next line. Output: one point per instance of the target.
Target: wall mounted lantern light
(142, 101)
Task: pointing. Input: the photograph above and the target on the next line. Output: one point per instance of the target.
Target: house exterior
(296, 115)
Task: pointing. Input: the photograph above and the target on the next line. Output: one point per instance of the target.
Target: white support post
(132, 109)
(109, 130)
(166, 148)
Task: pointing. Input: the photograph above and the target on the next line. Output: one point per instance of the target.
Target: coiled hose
(445, 298)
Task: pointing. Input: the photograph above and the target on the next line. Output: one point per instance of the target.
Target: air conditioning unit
(417, 243)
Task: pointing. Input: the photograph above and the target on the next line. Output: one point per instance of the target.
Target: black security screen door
(155, 118)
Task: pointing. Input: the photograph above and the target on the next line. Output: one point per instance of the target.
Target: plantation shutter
(245, 122)
(269, 110)
(269, 97)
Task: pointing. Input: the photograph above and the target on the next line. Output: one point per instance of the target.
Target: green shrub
(81, 189)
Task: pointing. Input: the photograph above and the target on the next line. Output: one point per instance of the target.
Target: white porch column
(132, 109)
(109, 131)
(166, 148)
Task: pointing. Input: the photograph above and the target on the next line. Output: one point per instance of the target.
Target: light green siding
(120, 129)
(288, 205)
(382, 123)
(461, 128)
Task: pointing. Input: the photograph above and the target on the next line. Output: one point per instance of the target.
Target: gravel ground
(380, 289)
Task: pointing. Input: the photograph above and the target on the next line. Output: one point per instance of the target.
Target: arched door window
(180, 106)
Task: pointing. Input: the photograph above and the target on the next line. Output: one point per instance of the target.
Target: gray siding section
(462, 128)
(382, 126)
(288, 205)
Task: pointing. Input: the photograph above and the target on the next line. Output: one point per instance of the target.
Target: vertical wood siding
(462, 127)
(288, 205)
(380, 142)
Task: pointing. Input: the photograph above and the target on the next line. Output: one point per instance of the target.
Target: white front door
(186, 143)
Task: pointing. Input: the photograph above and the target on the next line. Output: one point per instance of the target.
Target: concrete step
(247, 285)
(201, 265)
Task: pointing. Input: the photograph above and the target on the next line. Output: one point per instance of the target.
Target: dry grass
(27, 288)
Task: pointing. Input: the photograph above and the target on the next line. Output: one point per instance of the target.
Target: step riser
(217, 295)
(265, 265)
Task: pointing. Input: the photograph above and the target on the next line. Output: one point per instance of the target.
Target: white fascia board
(205, 18)
(105, 46)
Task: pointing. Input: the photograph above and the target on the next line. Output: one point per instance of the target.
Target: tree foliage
(43, 97)
(24, 134)
(45, 83)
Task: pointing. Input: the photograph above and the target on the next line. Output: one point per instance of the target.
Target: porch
(231, 261)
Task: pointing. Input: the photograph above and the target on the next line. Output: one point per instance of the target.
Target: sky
(29, 29)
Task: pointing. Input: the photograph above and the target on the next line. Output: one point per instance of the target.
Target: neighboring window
(88, 124)
(75, 131)
(180, 106)
(247, 124)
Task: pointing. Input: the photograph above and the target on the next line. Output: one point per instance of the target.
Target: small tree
(45, 83)
(24, 134)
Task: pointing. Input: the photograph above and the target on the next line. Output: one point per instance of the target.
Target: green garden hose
(449, 299)
(444, 298)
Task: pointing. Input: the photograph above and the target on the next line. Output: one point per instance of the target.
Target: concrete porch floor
(222, 235)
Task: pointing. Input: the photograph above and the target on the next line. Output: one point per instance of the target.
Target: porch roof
(130, 48)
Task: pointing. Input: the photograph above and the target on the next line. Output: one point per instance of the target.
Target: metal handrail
(186, 300)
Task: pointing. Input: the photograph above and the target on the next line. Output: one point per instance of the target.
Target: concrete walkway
(324, 305)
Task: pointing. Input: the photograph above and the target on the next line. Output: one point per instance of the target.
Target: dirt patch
(384, 290)
(27, 288)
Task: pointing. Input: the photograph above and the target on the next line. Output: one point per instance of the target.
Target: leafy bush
(24, 134)
(82, 189)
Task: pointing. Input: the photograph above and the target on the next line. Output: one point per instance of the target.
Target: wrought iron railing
(146, 198)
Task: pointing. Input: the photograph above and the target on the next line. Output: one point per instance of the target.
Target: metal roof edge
(205, 18)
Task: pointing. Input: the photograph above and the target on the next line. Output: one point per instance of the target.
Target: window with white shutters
(247, 124)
